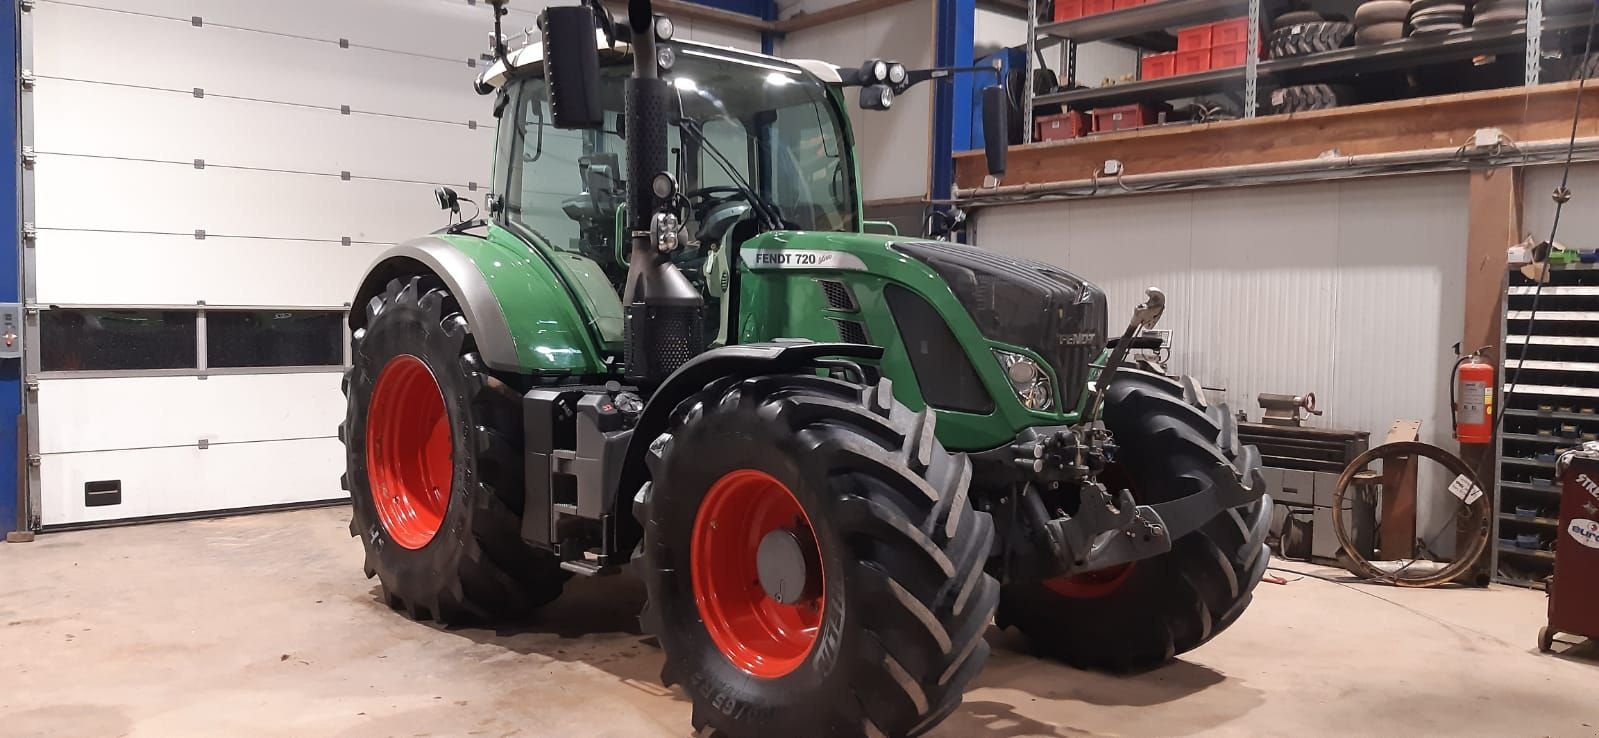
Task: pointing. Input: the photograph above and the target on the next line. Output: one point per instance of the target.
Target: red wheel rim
(1092, 585)
(409, 458)
(758, 634)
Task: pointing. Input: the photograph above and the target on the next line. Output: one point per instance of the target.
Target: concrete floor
(263, 625)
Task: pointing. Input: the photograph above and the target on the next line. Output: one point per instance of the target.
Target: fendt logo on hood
(1078, 339)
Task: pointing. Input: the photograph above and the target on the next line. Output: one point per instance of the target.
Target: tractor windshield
(772, 125)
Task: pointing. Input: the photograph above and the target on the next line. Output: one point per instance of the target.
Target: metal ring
(1478, 515)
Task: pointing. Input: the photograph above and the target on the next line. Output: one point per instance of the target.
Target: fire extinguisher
(1473, 384)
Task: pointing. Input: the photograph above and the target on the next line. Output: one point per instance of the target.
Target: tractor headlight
(1028, 379)
(896, 73)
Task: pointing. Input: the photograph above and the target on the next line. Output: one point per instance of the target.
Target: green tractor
(670, 345)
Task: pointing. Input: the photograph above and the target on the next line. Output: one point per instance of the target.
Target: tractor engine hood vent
(1025, 303)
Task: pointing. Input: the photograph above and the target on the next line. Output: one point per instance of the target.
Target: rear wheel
(813, 565)
(434, 472)
(1141, 615)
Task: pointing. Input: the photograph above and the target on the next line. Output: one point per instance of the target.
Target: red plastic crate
(1068, 9)
(1123, 117)
(1125, 4)
(1067, 125)
(1232, 31)
(1189, 62)
(1155, 66)
(1095, 7)
(1193, 39)
(1229, 55)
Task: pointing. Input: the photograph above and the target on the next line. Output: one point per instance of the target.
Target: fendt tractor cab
(669, 345)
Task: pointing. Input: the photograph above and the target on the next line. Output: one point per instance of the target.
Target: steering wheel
(714, 194)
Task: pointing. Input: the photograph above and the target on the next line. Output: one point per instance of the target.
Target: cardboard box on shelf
(1068, 125)
(1189, 62)
(1123, 117)
(1095, 7)
(1229, 55)
(1156, 66)
(1194, 39)
(1231, 31)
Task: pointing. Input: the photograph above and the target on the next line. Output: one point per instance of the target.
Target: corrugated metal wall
(1579, 222)
(1351, 290)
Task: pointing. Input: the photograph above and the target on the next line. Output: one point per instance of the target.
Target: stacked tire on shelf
(1308, 38)
(1381, 21)
(1433, 17)
(1303, 32)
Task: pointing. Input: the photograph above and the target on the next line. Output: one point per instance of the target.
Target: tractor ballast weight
(833, 456)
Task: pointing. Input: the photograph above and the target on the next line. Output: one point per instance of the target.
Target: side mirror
(571, 66)
(448, 200)
(996, 129)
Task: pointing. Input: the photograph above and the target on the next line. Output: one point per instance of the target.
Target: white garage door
(209, 180)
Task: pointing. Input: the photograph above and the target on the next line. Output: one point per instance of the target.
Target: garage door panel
(73, 42)
(169, 481)
(77, 267)
(78, 415)
(162, 125)
(447, 28)
(167, 198)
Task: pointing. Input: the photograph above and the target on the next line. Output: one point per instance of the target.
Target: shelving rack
(1551, 406)
(1147, 27)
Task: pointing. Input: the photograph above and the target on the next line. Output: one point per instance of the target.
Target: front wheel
(1140, 615)
(813, 564)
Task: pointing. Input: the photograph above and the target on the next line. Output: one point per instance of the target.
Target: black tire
(475, 568)
(1373, 12)
(1295, 17)
(1308, 38)
(1380, 33)
(1175, 602)
(890, 520)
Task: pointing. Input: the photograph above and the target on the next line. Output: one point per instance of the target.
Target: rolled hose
(1478, 516)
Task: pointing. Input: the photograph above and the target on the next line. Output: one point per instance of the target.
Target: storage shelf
(1536, 553)
(1568, 316)
(1545, 389)
(1130, 23)
(1526, 462)
(1545, 522)
(1534, 438)
(1551, 415)
(1572, 372)
(1165, 88)
(1552, 366)
(1519, 582)
(1572, 290)
(1570, 341)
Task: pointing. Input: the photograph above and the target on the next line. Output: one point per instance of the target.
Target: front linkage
(1108, 529)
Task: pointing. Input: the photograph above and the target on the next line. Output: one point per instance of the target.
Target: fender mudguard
(523, 317)
(741, 360)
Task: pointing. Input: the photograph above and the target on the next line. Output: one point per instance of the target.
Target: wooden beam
(1493, 223)
(834, 14)
(1538, 113)
(1399, 495)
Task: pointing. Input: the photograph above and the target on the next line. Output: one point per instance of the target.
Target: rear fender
(524, 321)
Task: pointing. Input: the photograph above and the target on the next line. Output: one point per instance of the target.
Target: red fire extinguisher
(1473, 385)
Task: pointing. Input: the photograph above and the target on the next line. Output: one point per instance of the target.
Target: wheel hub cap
(409, 455)
(757, 575)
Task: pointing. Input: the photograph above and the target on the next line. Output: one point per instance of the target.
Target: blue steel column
(952, 98)
(10, 270)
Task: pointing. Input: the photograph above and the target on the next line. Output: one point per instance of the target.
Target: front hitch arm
(1145, 316)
